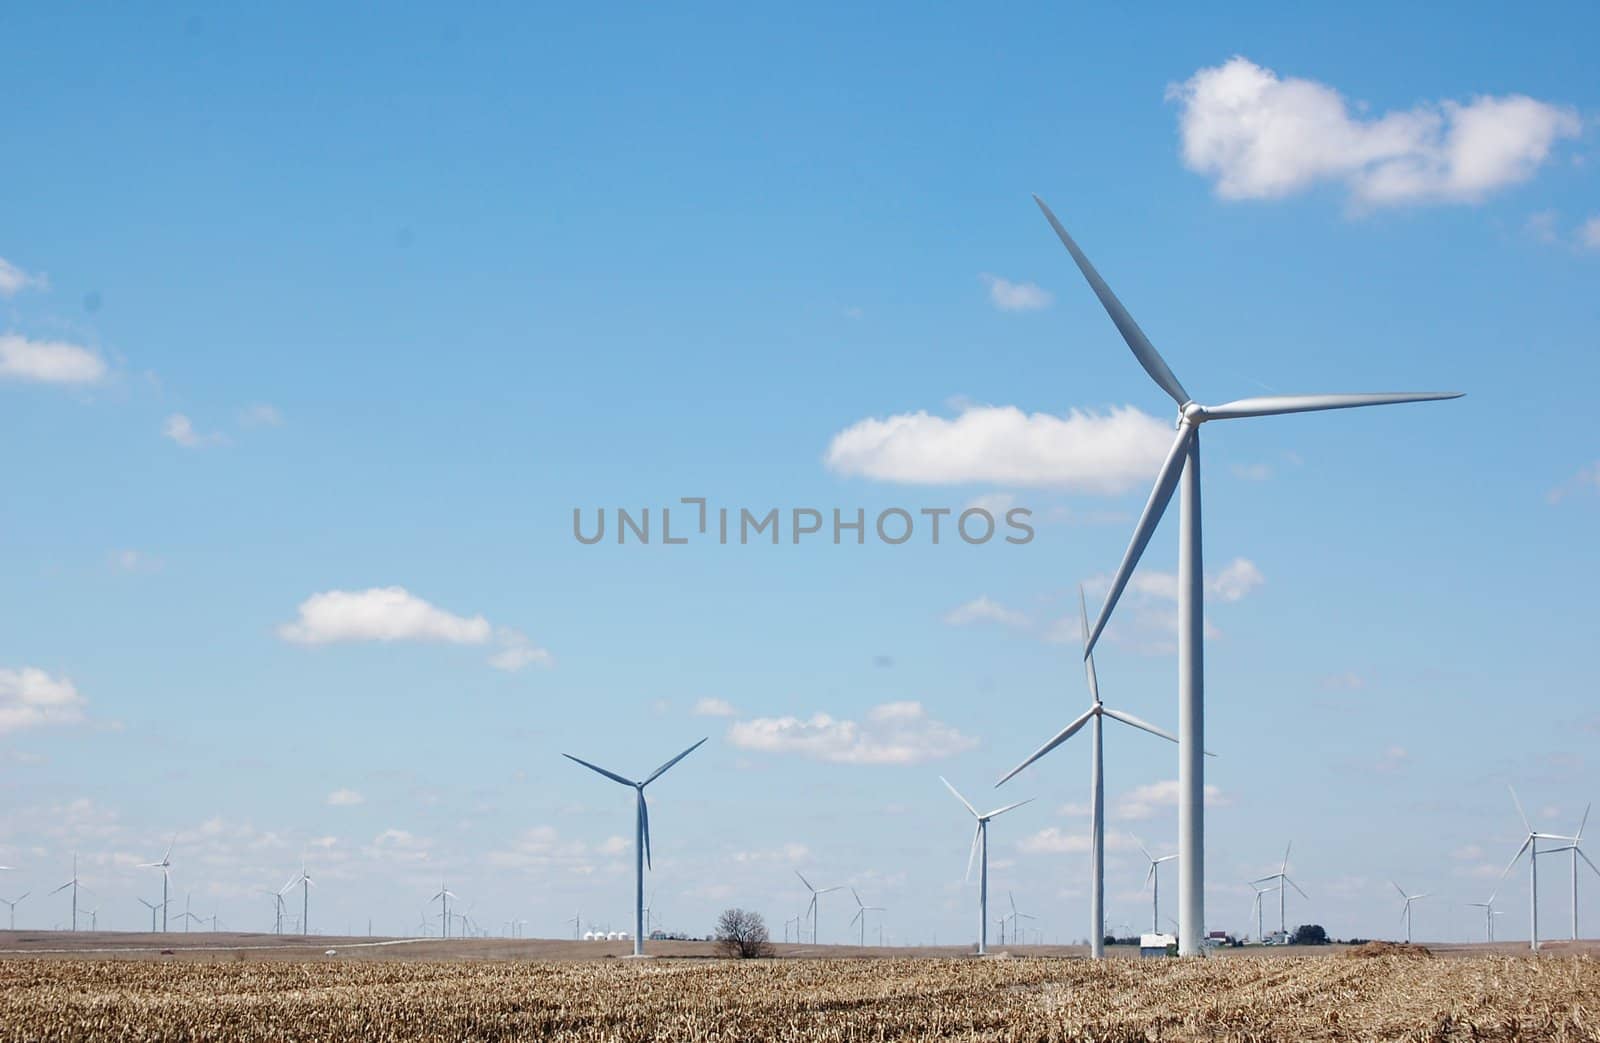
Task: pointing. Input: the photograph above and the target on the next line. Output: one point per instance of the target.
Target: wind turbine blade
(1160, 496)
(1140, 845)
(803, 880)
(63, 887)
(1286, 849)
(1582, 822)
(1272, 405)
(1149, 876)
(859, 913)
(613, 776)
(644, 823)
(1297, 888)
(1580, 855)
(1009, 807)
(958, 796)
(972, 855)
(1512, 864)
(1128, 718)
(1400, 889)
(855, 896)
(1143, 350)
(1518, 803)
(654, 775)
(1088, 659)
(168, 856)
(1062, 736)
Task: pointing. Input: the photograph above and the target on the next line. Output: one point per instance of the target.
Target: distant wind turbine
(165, 865)
(306, 884)
(811, 909)
(861, 914)
(1097, 783)
(12, 903)
(641, 853)
(1152, 880)
(1488, 915)
(1255, 907)
(1406, 914)
(1577, 853)
(1282, 878)
(152, 906)
(1016, 928)
(980, 851)
(74, 884)
(443, 898)
(1183, 462)
(1531, 845)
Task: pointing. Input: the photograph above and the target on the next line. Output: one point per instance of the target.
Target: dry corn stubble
(1385, 997)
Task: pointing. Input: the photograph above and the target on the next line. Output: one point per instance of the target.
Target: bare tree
(743, 934)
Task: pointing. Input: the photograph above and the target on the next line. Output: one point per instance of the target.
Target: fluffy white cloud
(48, 361)
(517, 652)
(1149, 800)
(984, 609)
(345, 798)
(14, 280)
(1586, 480)
(1053, 841)
(709, 707)
(892, 733)
(1015, 296)
(1238, 578)
(1262, 137)
(31, 698)
(181, 430)
(380, 614)
(1107, 453)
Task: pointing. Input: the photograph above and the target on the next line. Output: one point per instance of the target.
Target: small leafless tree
(743, 934)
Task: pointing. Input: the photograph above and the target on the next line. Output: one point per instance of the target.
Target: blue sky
(330, 304)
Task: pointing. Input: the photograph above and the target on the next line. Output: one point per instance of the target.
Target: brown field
(221, 988)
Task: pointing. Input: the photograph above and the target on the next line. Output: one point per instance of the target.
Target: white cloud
(379, 614)
(31, 698)
(1015, 296)
(517, 652)
(709, 707)
(1587, 479)
(1589, 234)
(1542, 226)
(135, 561)
(1146, 619)
(260, 415)
(1149, 800)
(984, 609)
(1238, 578)
(1392, 760)
(892, 733)
(1106, 453)
(345, 798)
(14, 280)
(181, 430)
(1264, 137)
(1053, 841)
(48, 361)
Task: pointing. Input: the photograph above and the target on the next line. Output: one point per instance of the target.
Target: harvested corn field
(1489, 997)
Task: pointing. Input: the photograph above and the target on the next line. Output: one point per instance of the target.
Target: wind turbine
(188, 917)
(1488, 915)
(443, 898)
(811, 909)
(277, 905)
(980, 850)
(1152, 880)
(1407, 913)
(152, 906)
(1577, 853)
(1255, 909)
(73, 883)
(1097, 783)
(12, 904)
(1183, 461)
(1282, 877)
(1016, 928)
(1530, 844)
(165, 865)
(306, 884)
(861, 914)
(641, 852)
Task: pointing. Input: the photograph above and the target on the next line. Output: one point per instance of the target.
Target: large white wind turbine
(1282, 878)
(811, 909)
(1096, 712)
(1152, 880)
(861, 914)
(11, 904)
(1255, 907)
(641, 852)
(75, 885)
(1406, 914)
(165, 865)
(1183, 461)
(1530, 844)
(1577, 853)
(306, 884)
(980, 851)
